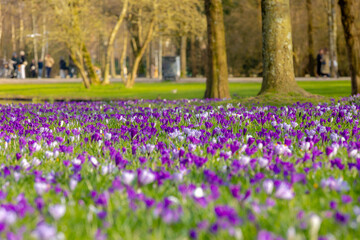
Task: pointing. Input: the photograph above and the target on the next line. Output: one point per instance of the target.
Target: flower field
(189, 169)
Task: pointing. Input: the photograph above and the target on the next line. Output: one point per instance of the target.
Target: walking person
(33, 69)
(40, 68)
(49, 62)
(14, 63)
(22, 65)
(62, 68)
(319, 58)
(325, 66)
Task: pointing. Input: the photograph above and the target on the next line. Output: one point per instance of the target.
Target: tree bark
(110, 47)
(123, 58)
(1, 29)
(44, 38)
(148, 61)
(183, 56)
(36, 56)
(193, 57)
(332, 36)
(13, 34)
(113, 65)
(311, 64)
(352, 42)
(94, 78)
(21, 29)
(160, 72)
(80, 65)
(217, 85)
(278, 66)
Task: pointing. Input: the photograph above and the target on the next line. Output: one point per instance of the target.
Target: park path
(148, 80)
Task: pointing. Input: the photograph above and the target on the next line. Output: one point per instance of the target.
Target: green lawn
(154, 90)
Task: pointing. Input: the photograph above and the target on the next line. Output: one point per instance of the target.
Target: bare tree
(112, 37)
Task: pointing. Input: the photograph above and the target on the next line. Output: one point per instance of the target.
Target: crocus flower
(284, 191)
(57, 211)
(44, 232)
(268, 186)
(146, 177)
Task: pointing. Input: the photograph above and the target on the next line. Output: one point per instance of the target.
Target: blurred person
(49, 62)
(319, 58)
(14, 63)
(22, 65)
(63, 68)
(33, 69)
(40, 68)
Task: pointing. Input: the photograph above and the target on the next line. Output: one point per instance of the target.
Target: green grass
(70, 91)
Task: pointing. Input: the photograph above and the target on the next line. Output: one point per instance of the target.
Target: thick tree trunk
(94, 78)
(193, 57)
(183, 56)
(332, 36)
(110, 46)
(348, 17)
(217, 85)
(13, 34)
(311, 66)
(278, 66)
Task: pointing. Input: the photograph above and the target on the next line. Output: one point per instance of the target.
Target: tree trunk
(110, 46)
(21, 29)
(123, 58)
(278, 66)
(44, 39)
(183, 56)
(332, 36)
(36, 57)
(94, 78)
(113, 65)
(311, 64)
(80, 65)
(138, 55)
(160, 72)
(148, 62)
(348, 17)
(217, 85)
(193, 57)
(13, 34)
(1, 29)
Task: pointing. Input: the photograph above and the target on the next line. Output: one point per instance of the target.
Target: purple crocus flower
(346, 199)
(341, 218)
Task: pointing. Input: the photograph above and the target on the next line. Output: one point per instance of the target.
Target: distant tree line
(216, 38)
